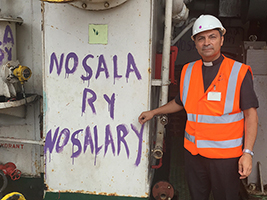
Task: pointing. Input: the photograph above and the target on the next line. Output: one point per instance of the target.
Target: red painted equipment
(11, 170)
(173, 56)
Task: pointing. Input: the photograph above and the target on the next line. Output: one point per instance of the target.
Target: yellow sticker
(98, 34)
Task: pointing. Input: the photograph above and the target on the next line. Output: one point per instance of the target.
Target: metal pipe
(158, 150)
(9, 19)
(177, 6)
(174, 10)
(179, 11)
(261, 181)
(178, 37)
(25, 141)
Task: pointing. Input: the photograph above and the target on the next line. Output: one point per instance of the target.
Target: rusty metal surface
(163, 190)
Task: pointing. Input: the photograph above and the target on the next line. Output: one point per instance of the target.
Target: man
(218, 96)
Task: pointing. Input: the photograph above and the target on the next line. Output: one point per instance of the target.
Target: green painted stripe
(71, 196)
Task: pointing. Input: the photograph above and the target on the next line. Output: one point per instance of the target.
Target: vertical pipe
(158, 150)
(166, 53)
(261, 181)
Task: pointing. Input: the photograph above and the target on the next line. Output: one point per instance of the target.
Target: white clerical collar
(207, 64)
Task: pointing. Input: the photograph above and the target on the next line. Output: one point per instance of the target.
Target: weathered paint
(7, 53)
(94, 95)
(27, 40)
(71, 196)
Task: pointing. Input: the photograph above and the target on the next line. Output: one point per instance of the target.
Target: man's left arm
(251, 125)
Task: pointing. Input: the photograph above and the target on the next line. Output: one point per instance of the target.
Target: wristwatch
(248, 151)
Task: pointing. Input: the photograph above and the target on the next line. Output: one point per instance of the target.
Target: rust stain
(149, 70)
(145, 196)
(113, 194)
(110, 194)
(87, 192)
(46, 187)
(36, 165)
(80, 191)
(57, 1)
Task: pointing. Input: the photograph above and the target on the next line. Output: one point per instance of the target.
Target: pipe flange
(157, 152)
(163, 190)
(164, 120)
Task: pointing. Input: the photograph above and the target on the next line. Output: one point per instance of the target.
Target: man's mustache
(207, 47)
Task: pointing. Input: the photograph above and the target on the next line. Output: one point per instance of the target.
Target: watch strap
(248, 151)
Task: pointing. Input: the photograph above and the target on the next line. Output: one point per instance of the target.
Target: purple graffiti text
(6, 45)
(90, 137)
(101, 69)
(89, 97)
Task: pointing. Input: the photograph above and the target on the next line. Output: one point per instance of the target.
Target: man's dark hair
(220, 31)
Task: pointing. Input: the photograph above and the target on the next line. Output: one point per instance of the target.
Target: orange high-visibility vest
(215, 125)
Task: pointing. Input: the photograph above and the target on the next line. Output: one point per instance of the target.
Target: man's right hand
(145, 116)
(170, 107)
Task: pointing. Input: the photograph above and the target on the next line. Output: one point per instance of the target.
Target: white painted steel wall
(257, 59)
(29, 52)
(94, 94)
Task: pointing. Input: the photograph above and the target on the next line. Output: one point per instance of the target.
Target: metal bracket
(97, 4)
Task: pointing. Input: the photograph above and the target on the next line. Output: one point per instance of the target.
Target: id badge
(214, 96)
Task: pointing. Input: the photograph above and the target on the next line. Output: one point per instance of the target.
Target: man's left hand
(245, 165)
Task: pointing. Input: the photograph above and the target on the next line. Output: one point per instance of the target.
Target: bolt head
(106, 4)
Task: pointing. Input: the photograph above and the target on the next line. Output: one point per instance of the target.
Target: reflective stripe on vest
(191, 117)
(187, 81)
(191, 138)
(229, 101)
(224, 119)
(215, 144)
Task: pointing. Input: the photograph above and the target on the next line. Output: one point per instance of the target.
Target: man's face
(208, 45)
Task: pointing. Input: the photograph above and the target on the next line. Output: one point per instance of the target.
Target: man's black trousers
(217, 175)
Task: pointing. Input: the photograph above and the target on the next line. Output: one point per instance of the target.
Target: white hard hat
(205, 23)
